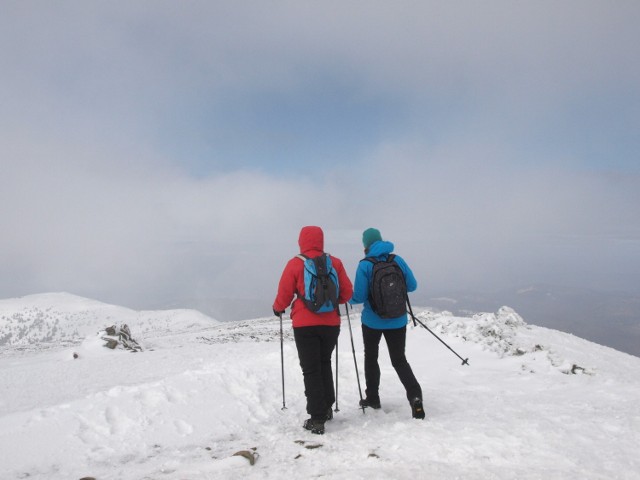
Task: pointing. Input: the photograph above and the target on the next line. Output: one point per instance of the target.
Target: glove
(277, 313)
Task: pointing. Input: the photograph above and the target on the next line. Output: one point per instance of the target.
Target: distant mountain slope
(611, 319)
(67, 319)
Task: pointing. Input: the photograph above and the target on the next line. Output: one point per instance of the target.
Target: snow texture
(203, 400)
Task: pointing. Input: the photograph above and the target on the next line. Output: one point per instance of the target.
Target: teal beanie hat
(369, 236)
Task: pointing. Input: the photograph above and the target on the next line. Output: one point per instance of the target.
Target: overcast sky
(153, 151)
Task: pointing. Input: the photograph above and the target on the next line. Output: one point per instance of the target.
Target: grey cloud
(162, 236)
(468, 221)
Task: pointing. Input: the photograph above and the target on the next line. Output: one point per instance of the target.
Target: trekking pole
(284, 407)
(353, 349)
(465, 361)
(336, 409)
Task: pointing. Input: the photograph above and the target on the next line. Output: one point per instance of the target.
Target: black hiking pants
(315, 345)
(396, 339)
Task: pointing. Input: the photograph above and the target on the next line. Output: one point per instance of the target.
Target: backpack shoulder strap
(304, 258)
(374, 260)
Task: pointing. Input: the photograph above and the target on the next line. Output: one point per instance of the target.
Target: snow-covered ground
(533, 404)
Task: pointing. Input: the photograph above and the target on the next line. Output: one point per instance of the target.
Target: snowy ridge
(38, 321)
(494, 331)
(181, 409)
(506, 334)
(257, 330)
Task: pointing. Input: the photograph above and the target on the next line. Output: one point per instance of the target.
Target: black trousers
(315, 345)
(396, 340)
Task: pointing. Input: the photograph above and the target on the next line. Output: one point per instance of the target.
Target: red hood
(311, 240)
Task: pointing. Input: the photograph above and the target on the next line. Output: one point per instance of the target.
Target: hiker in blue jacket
(393, 329)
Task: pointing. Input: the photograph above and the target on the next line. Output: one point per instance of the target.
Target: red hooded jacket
(311, 243)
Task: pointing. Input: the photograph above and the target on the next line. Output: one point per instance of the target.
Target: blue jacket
(381, 250)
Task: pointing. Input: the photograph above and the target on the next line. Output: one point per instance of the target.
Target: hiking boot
(314, 426)
(417, 410)
(329, 415)
(370, 402)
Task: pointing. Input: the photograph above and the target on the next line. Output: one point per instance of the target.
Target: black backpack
(321, 284)
(388, 289)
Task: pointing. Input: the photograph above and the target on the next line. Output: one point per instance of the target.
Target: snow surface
(533, 404)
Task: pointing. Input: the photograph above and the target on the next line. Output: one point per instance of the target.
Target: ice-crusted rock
(120, 337)
(493, 331)
(503, 332)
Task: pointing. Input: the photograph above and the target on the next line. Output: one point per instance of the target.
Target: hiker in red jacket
(315, 333)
